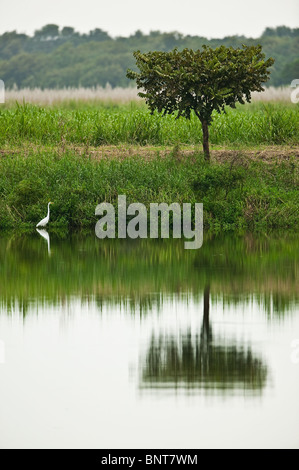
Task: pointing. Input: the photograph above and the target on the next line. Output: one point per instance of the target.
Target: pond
(143, 344)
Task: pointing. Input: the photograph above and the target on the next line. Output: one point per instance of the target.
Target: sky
(209, 18)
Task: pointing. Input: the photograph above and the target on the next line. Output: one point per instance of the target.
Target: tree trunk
(205, 132)
(206, 306)
(206, 333)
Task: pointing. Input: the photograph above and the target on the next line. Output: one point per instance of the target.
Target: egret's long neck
(48, 210)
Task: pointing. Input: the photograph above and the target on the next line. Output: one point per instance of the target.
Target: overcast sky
(210, 18)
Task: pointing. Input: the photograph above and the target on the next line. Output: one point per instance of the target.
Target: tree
(201, 361)
(99, 35)
(290, 71)
(67, 31)
(47, 32)
(201, 81)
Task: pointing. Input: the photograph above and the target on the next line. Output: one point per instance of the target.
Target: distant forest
(61, 57)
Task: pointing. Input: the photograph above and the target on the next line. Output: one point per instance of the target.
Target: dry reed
(114, 95)
(56, 96)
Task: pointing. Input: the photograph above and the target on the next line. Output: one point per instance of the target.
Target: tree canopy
(202, 81)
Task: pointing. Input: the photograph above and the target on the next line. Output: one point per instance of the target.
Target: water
(127, 344)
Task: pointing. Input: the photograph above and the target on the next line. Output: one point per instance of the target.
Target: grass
(237, 195)
(108, 124)
(66, 154)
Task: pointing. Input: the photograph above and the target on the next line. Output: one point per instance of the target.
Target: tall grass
(38, 163)
(253, 124)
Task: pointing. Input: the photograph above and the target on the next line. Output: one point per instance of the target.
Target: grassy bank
(61, 154)
(238, 194)
(102, 124)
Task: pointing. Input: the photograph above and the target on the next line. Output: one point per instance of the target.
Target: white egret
(44, 221)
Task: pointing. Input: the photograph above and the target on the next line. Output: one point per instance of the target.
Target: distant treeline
(61, 57)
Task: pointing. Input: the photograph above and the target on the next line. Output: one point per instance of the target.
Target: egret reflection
(43, 233)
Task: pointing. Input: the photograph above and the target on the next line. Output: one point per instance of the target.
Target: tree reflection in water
(200, 362)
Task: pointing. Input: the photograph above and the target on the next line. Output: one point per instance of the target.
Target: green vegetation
(237, 195)
(200, 82)
(58, 154)
(55, 58)
(104, 124)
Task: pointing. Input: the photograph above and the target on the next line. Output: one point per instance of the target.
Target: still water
(142, 344)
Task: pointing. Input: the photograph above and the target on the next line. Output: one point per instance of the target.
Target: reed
(49, 96)
(112, 124)
(120, 95)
